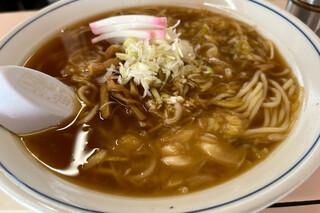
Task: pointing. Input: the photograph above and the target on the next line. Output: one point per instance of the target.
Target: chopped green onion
(156, 95)
(165, 95)
(212, 125)
(253, 148)
(210, 69)
(161, 75)
(205, 29)
(122, 56)
(128, 41)
(149, 64)
(185, 90)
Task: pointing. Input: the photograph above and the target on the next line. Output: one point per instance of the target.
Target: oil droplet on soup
(219, 114)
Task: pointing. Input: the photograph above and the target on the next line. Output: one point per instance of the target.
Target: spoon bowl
(33, 101)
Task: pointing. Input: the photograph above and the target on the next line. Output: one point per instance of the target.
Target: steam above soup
(171, 115)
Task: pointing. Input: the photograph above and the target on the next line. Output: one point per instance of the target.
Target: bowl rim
(306, 32)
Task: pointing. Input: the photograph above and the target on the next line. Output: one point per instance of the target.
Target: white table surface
(306, 193)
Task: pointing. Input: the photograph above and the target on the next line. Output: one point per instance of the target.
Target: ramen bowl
(291, 163)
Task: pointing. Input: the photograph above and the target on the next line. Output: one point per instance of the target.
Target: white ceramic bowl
(285, 169)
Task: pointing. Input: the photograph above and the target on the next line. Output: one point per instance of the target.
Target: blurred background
(307, 11)
(18, 5)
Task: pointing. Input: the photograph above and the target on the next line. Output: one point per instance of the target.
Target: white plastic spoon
(31, 101)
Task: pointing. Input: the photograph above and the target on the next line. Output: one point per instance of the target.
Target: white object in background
(32, 101)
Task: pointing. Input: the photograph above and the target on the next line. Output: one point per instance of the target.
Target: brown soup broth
(146, 158)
